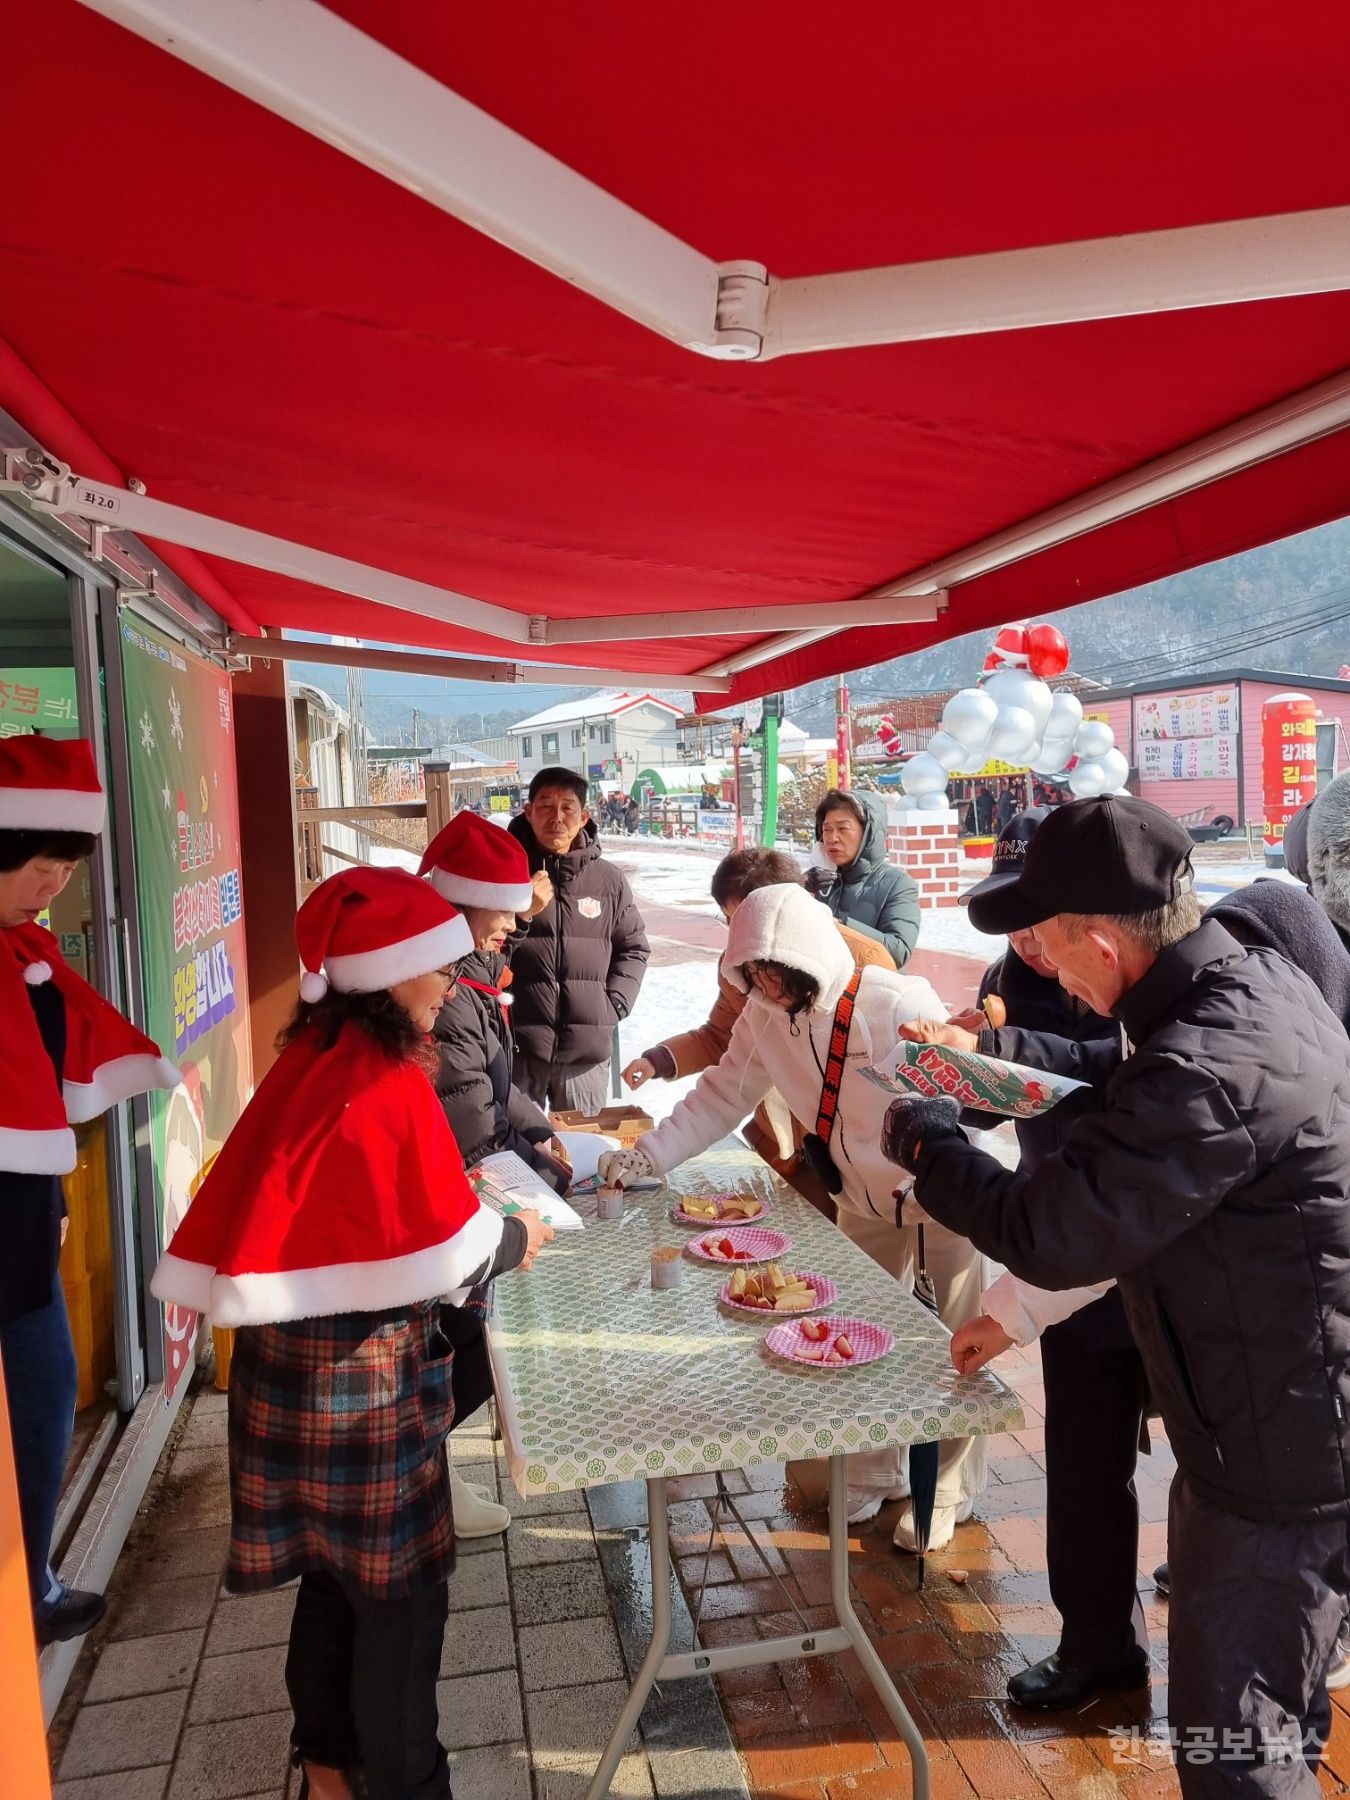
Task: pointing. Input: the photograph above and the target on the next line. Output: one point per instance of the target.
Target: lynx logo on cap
(1010, 850)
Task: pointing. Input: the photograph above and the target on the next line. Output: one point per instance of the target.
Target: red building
(1194, 747)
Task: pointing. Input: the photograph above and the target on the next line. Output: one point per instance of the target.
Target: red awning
(204, 296)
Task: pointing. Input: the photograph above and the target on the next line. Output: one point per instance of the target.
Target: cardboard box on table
(627, 1123)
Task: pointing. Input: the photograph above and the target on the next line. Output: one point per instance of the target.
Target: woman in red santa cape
(66, 1055)
(333, 1221)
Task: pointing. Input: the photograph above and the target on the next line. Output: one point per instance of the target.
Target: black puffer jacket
(473, 1081)
(1276, 915)
(1214, 1184)
(577, 966)
(871, 894)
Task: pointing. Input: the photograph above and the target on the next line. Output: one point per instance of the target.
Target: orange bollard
(23, 1766)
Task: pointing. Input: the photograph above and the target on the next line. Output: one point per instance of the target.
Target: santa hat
(49, 784)
(1009, 650)
(476, 863)
(106, 1058)
(368, 929)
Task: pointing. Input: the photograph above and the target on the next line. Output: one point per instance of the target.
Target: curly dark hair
(803, 990)
(379, 1015)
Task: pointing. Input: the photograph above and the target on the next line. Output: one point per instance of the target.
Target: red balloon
(1047, 651)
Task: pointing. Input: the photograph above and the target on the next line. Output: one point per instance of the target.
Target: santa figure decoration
(888, 735)
(1015, 717)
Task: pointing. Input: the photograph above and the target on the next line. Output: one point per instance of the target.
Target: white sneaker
(1338, 1675)
(863, 1506)
(945, 1521)
(477, 1514)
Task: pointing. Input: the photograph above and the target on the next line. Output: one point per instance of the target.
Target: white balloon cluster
(1016, 717)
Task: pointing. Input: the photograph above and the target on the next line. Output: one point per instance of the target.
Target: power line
(1195, 652)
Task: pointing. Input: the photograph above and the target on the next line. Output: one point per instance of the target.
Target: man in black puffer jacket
(578, 964)
(1214, 1186)
(1095, 1392)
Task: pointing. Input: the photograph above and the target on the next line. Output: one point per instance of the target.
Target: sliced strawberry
(844, 1348)
(726, 1246)
(815, 1329)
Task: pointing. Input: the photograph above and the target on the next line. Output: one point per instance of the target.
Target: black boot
(1051, 1684)
(74, 1613)
(1162, 1579)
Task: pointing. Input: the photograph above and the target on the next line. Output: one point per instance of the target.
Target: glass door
(49, 682)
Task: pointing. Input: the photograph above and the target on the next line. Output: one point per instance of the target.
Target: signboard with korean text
(38, 700)
(185, 833)
(1187, 759)
(1194, 713)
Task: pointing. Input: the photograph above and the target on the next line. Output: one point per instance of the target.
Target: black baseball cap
(1010, 852)
(1115, 854)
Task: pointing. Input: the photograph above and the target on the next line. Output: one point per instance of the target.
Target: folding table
(600, 1379)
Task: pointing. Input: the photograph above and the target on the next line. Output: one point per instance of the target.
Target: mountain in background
(1282, 607)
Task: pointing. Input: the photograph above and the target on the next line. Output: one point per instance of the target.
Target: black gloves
(911, 1122)
(820, 881)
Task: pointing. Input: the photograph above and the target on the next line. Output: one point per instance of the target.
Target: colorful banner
(38, 700)
(980, 1082)
(1196, 713)
(1188, 759)
(185, 832)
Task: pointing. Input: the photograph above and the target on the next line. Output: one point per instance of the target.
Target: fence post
(440, 797)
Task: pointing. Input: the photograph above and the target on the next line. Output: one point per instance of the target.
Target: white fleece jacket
(770, 1050)
(1025, 1312)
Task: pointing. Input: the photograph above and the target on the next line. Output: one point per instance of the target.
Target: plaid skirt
(337, 1432)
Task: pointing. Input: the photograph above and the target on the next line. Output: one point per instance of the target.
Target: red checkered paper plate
(869, 1342)
(826, 1295)
(681, 1217)
(759, 1245)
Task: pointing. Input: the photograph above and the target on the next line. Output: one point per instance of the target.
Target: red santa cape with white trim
(107, 1059)
(341, 1189)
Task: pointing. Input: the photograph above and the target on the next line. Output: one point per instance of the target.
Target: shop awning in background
(231, 308)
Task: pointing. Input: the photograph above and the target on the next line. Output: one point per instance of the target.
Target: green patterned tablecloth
(602, 1379)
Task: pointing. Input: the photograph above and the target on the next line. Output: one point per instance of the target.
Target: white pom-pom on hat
(35, 973)
(313, 986)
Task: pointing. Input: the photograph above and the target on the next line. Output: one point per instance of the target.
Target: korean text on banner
(982, 1083)
(185, 833)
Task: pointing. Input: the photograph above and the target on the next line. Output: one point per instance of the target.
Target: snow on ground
(675, 997)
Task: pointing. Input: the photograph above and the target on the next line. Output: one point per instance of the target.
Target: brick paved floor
(179, 1695)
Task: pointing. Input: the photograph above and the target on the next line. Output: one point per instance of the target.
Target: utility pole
(841, 733)
(416, 716)
(773, 712)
